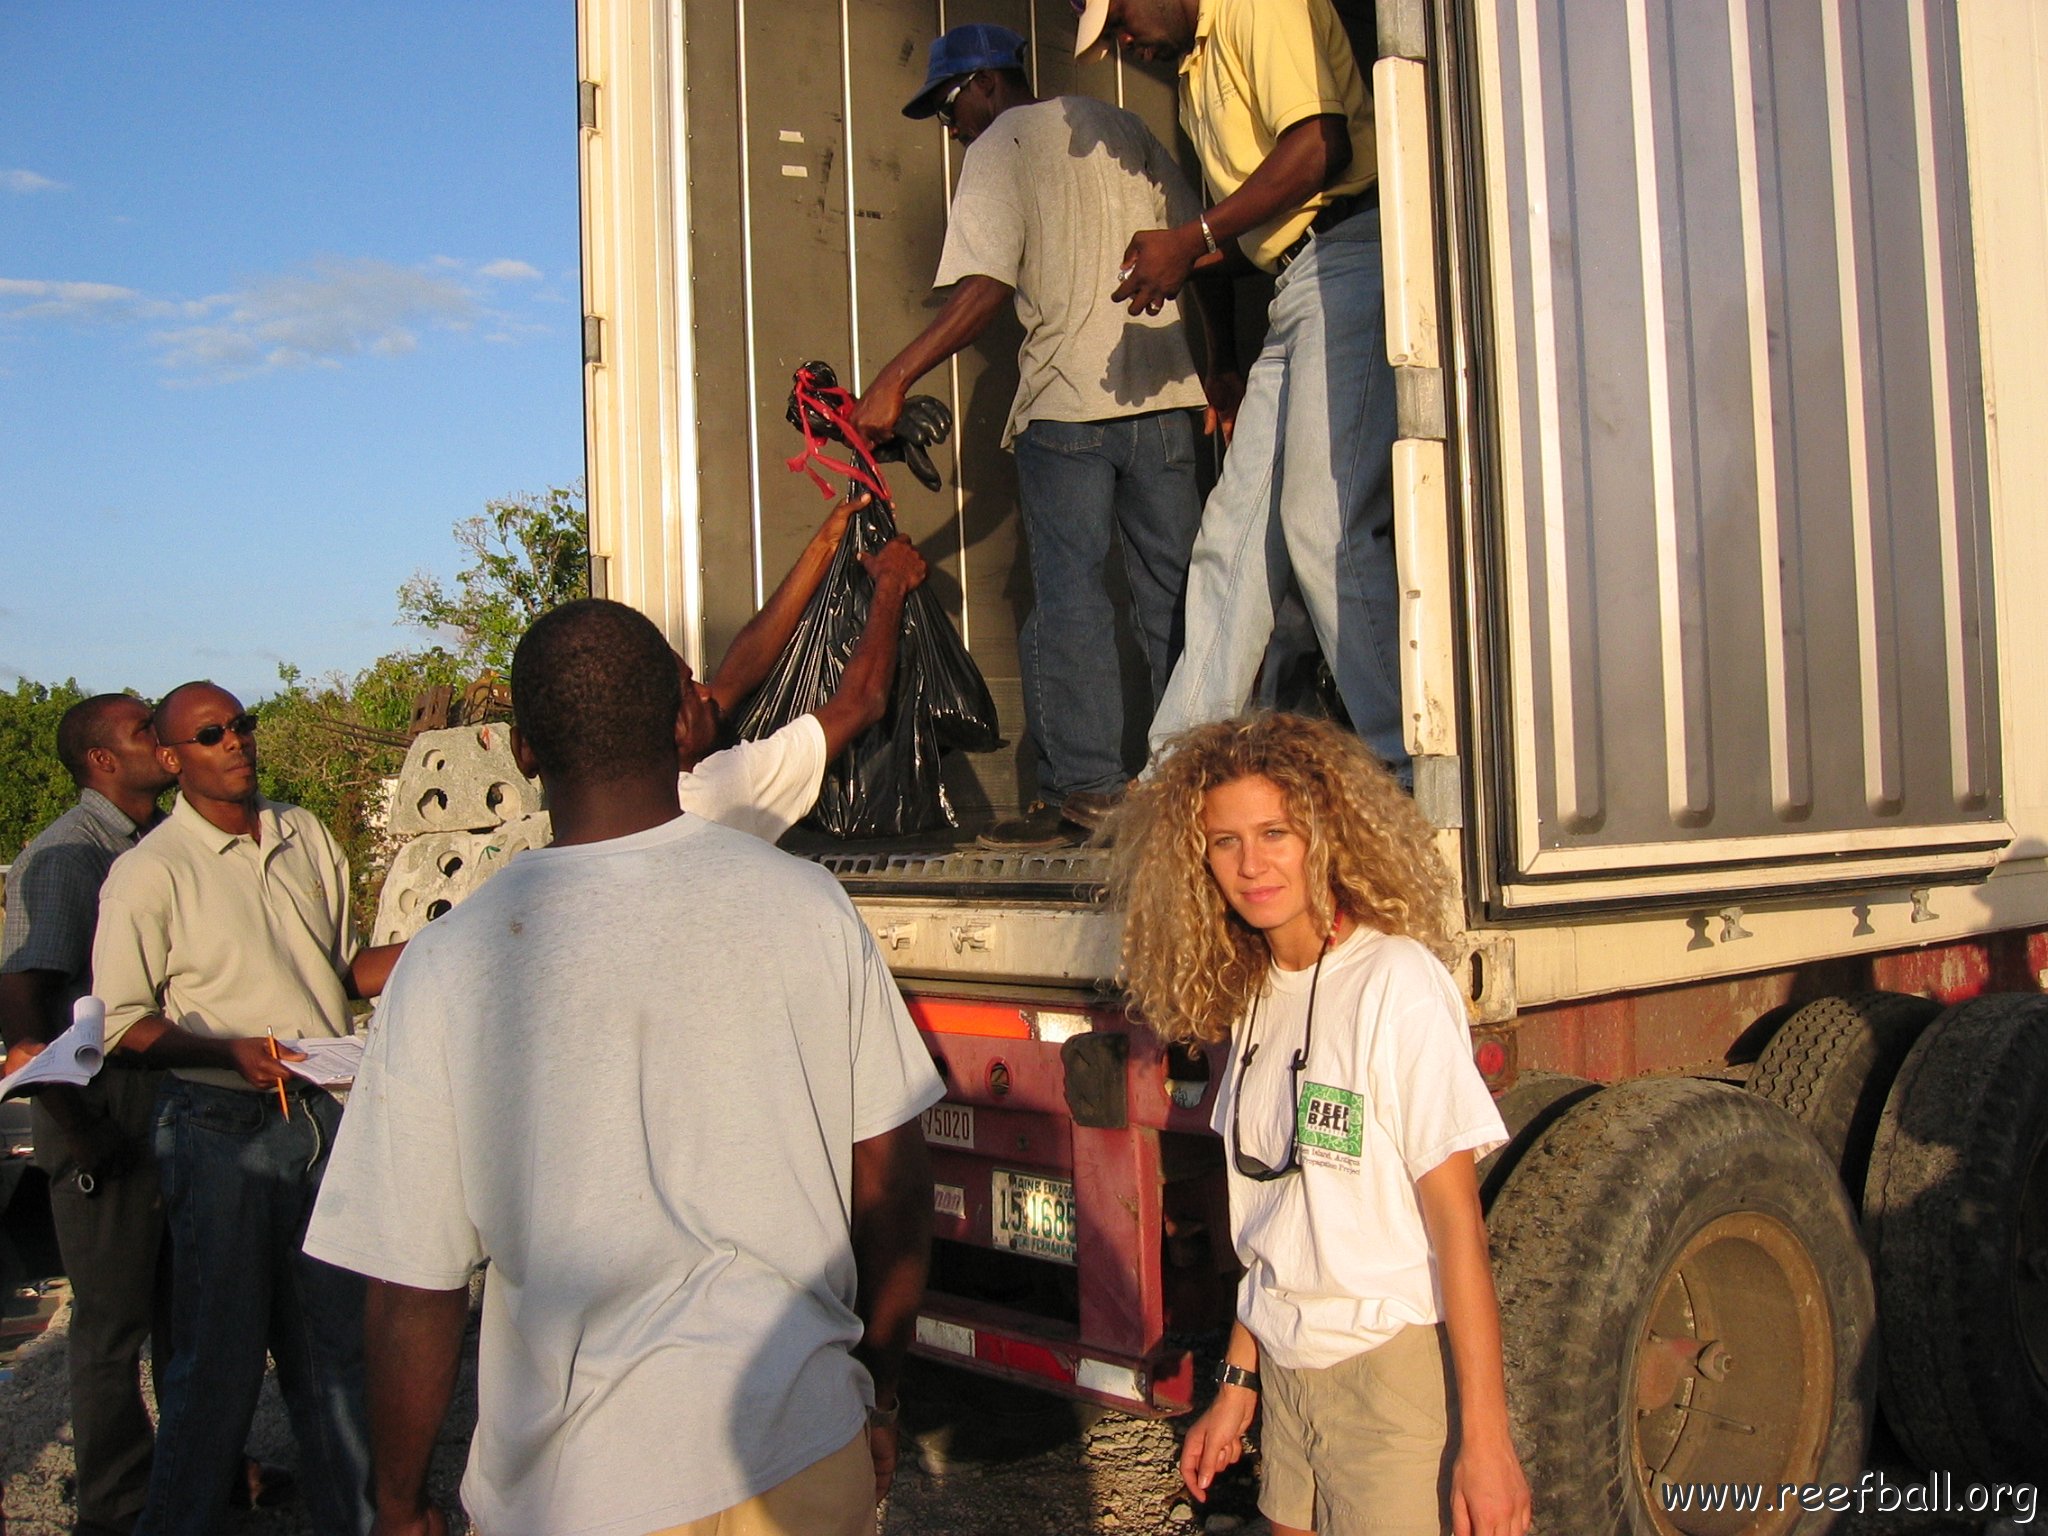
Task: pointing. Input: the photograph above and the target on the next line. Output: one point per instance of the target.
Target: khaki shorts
(833, 1497)
(1365, 1446)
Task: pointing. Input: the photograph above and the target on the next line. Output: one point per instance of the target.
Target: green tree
(330, 743)
(527, 554)
(34, 788)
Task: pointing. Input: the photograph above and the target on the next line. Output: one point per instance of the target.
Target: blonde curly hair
(1191, 965)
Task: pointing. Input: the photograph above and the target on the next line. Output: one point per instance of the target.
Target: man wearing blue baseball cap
(1100, 424)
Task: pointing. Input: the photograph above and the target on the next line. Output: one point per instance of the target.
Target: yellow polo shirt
(226, 937)
(1256, 69)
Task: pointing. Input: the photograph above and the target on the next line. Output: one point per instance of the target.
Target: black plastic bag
(886, 783)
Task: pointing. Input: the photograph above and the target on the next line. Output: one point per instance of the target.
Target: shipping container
(1717, 328)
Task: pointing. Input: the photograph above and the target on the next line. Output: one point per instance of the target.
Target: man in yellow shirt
(1274, 104)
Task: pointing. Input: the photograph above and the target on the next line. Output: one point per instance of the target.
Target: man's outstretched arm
(892, 1247)
(412, 1341)
(762, 638)
(973, 303)
(862, 697)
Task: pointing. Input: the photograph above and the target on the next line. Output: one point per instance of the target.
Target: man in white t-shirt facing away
(765, 787)
(658, 1076)
(1101, 424)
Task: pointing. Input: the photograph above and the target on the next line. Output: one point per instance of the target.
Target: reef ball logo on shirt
(1330, 1120)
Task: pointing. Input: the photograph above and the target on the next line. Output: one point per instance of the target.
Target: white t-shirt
(1049, 198)
(1337, 1258)
(764, 787)
(631, 1074)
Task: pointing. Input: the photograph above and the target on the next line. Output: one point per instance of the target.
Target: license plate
(950, 1125)
(1032, 1215)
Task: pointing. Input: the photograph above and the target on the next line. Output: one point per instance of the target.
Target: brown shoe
(1091, 808)
(1040, 827)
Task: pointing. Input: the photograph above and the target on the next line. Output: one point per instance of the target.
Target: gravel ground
(980, 1459)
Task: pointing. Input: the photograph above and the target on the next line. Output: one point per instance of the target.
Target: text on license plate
(1031, 1215)
(950, 1125)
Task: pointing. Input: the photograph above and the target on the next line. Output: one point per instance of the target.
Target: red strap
(833, 404)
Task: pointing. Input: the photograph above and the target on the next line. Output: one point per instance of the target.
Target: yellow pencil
(284, 1104)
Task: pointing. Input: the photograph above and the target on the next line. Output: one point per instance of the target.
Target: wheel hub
(1734, 1374)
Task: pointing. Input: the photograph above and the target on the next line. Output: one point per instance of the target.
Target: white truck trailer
(1719, 328)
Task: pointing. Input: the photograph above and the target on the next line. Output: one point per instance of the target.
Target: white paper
(72, 1059)
(329, 1063)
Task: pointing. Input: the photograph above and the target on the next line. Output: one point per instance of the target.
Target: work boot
(1041, 826)
(1089, 808)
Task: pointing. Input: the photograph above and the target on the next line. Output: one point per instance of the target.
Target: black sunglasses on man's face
(243, 725)
(947, 101)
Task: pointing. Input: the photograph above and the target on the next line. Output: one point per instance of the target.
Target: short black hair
(87, 724)
(595, 692)
(168, 705)
(1016, 78)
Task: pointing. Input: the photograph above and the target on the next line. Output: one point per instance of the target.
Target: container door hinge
(586, 105)
(593, 340)
(1487, 972)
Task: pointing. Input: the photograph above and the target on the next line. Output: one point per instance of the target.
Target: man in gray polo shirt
(1100, 426)
(93, 1142)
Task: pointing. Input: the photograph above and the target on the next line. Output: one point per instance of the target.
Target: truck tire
(1831, 1065)
(1957, 1215)
(1683, 1302)
(1537, 1101)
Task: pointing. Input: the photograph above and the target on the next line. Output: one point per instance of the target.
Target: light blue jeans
(1306, 491)
(1083, 487)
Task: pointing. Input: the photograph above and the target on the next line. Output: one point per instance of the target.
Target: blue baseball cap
(960, 52)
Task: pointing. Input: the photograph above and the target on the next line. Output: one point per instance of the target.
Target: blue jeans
(1306, 490)
(239, 1181)
(1083, 485)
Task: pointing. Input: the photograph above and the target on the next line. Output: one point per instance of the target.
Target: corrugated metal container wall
(816, 212)
(1743, 526)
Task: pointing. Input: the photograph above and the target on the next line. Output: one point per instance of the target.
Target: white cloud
(337, 310)
(27, 298)
(25, 182)
(323, 315)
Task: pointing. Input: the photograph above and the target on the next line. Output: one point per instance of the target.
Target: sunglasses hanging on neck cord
(1247, 1165)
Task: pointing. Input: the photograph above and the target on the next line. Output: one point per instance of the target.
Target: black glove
(926, 422)
(820, 378)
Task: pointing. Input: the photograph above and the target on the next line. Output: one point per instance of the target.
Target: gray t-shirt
(631, 1074)
(1049, 198)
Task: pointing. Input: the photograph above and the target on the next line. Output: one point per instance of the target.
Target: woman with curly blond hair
(1282, 891)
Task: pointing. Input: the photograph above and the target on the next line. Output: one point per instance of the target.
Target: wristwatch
(884, 1418)
(1228, 1375)
(1208, 235)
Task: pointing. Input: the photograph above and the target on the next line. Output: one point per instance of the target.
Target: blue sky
(285, 291)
